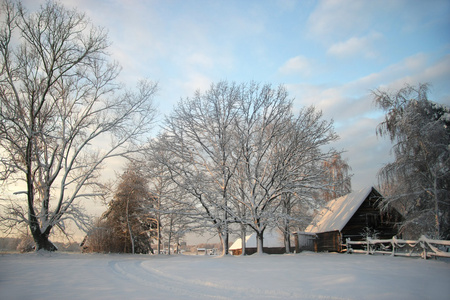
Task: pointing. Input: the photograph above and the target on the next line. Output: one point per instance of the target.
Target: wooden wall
(370, 216)
(328, 242)
(267, 250)
(367, 216)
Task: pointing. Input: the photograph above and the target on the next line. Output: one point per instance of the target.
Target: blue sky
(330, 54)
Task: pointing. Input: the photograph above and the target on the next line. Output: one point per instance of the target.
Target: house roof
(336, 214)
(271, 239)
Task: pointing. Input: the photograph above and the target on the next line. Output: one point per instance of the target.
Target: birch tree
(417, 182)
(63, 115)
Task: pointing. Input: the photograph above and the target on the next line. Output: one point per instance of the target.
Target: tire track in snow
(133, 271)
(144, 273)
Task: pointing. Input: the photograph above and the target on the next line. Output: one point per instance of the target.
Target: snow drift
(294, 276)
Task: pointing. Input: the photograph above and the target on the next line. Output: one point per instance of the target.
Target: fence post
(347, 242)
(424, 247)
(393, 246)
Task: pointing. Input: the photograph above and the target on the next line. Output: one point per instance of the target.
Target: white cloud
(297, 65)
(356, 117)
(338, 19)
(357, 45)
(200, 60)
(195, 81)
(353, 99)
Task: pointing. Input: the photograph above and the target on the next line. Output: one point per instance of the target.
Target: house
(355, 216)
(273, 243)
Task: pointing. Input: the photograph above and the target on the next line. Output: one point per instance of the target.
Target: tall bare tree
(200, 130)
(174, 215)
(417, 182)
(62, 114)
(238, 148)
(281, 153)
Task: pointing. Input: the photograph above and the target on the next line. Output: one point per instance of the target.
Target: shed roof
(271, 239)
(336, 214)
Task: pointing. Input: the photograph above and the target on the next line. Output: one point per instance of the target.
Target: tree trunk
(226, 240)
(259, 242)
(44, 243)
(221, 238)
(41, 240)
(244, 244)
(178, 245)
(226, 231)
(436, 207)
(169, 240)
(287, 240)
(158, 227)
(129, 229)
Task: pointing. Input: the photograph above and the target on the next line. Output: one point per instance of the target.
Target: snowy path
(302, 276)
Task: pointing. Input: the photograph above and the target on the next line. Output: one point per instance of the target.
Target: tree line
(234, 158)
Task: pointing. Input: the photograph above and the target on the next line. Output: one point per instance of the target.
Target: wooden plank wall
(328, 242)
(369, 215)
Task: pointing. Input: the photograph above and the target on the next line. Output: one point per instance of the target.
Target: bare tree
(280, 155)
(173, 214)
(236, 149)
(200, 133)
(331, 180)
(62, 114)
(418, 181)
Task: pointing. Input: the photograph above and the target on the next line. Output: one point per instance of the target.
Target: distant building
(273, 243)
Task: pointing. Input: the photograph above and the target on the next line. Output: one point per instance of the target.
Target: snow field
(296, 276)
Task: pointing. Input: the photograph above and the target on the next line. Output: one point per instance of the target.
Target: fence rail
(424, 247)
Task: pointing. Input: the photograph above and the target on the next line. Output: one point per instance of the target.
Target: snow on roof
(336, 214)
(270, 239)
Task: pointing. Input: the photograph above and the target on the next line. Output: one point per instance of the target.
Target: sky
(330, 54)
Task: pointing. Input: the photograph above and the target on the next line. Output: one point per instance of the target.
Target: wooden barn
(352, 216)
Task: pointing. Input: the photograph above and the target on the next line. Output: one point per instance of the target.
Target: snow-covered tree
(417, 183)
(173, 213)
(280, 154)
(130, 214)
(199, 137)
(62, 115)
(237, 149)
(337, 178)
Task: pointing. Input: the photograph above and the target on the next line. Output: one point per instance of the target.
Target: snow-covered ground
(296, 276)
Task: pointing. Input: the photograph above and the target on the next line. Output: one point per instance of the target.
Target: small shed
(352, 216)
(273, 243)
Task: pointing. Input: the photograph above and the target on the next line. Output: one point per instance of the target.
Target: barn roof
(336, 214)
(271, 239)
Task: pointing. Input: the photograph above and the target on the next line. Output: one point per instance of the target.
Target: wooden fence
(423, 247)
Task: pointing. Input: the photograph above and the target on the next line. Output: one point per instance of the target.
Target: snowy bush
(26, 244)
(370, 233)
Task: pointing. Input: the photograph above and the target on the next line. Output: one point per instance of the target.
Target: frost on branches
(244, 159)
(62, 115)
(417, 183)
